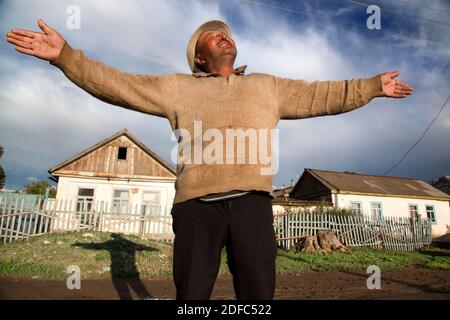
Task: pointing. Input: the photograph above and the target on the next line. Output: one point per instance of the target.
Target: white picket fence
(20, 218)
(393, 233)
(24, 217)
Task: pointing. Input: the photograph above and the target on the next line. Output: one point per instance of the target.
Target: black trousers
(245, 226)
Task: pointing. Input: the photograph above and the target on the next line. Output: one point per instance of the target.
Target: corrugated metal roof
(352, 182)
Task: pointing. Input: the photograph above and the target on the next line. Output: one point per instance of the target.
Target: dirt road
(414, 283)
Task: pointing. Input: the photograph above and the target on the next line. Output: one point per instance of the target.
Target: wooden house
(376, 195)
(119, 174)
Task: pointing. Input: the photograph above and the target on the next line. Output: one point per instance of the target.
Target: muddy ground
(413, 283)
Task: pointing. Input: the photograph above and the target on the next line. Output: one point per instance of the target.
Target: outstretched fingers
(404, 86)
(20, 38)
(401, 92)
(25, 51)
(20, 43)
(24, 33)
(393, 87)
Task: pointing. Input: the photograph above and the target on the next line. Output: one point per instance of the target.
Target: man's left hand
(394, 88)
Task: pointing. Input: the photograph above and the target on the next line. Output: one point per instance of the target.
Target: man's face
(214, 45)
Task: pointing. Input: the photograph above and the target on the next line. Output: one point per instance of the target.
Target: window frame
(417, 210)
(158, 203)
(381, 208)
(84, 198)
(360, 207)
(434, 213)
(120, 203)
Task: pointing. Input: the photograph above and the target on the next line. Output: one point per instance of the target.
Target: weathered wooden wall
(104, 162)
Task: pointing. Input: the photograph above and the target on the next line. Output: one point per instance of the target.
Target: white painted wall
(277, 209)
(399, 207)
(104, 190)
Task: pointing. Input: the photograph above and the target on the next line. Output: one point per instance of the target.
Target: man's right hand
(46, 45)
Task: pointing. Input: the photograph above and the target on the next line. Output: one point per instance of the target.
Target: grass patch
(99, 255)
(106, 255)
(357, 259)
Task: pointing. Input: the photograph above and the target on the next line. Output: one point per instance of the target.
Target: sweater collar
(237, 71)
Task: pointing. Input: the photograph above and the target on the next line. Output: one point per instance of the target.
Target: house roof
(281, 191)
(442, 183)
(446, 178)
(300, 202)
(358, 183)
(124, 132)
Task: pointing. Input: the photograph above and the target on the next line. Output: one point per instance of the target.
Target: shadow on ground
(124, 273)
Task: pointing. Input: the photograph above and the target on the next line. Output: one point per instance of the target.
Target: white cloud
(45, 117)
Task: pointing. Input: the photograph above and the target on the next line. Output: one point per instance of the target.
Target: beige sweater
(255, 101)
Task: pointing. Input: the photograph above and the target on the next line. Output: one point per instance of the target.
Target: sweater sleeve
(299, 99)
(147, 94)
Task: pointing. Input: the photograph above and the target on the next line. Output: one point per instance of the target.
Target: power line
(298, 12)
(421, 137)
(336, 19)
(418, 38)
(422, 6)
(346, 22)
(400, 13)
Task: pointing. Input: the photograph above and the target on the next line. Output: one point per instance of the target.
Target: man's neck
(224, 69)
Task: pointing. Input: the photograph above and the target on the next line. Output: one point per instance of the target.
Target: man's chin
(228, 50)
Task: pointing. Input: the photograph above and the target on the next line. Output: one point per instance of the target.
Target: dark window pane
(86, 192)
(430, 213)
(121, 194)
(122, 153)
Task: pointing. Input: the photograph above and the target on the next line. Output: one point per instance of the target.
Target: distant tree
(39, 187)
(52, 192)
(2, 172)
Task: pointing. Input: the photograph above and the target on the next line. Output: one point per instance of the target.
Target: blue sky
(45, 119)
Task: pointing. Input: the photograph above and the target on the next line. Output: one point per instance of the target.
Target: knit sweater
(210, 102)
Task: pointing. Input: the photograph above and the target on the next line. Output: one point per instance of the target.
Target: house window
(122, 154)
(375, 208)
(85, 199)
(356, 207)
(431, 215)
(150, 201)
(413, 211)
(120, 201)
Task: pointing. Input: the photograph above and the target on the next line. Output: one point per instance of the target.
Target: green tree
(39, 187)
(2, 172)
(52, 192)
